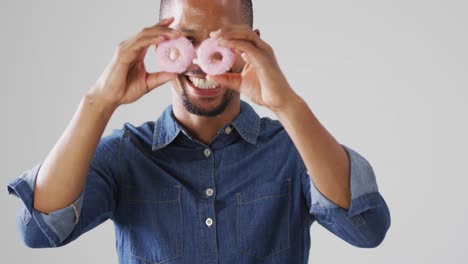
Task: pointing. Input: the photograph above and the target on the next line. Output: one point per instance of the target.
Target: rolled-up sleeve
(367, 220)
(54, 226)
(95, 204)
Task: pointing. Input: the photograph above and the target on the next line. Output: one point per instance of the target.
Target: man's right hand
(63, 173)
(125, 78)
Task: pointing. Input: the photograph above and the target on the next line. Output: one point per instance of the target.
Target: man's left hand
(261, 79)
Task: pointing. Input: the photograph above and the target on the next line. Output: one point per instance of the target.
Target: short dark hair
(246, 7)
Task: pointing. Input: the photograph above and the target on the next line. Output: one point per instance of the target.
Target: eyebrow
(188, 30)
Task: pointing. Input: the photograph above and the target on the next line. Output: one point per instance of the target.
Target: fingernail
(166, 19)
(216, 32)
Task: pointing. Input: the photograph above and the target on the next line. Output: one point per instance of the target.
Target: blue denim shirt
(244, 198)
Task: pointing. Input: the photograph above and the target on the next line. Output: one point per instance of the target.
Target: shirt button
(209, 222)
(209, 192)
(228, 130)
(207, 152)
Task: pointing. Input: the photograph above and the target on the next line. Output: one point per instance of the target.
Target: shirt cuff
(56, 225)
(364, 189)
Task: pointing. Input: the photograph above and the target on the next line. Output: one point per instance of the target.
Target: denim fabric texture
(244, 198)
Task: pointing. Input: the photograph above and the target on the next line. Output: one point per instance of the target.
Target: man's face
(196, 19)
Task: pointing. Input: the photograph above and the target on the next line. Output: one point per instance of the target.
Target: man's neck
(205, 128)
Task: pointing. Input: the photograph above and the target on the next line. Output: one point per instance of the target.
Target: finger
(146, 42)
(142, 55)
(246, 57)
(228, 80)
(156, 79)
(166, 21)
(253, 53)
(160, 28)
(158, 31)
(132, 49)
(244, 34)
(240, 46)
(135, 50)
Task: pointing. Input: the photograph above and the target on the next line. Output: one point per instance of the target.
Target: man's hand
(125, 78)
(261, 79)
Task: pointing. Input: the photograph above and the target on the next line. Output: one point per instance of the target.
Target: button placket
(207, 208)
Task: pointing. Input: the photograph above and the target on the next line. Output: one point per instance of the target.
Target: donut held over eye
(175, 55)
(214, 59)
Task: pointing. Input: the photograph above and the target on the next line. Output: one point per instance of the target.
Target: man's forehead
(192, 16)
(203, 8)
(207, 2)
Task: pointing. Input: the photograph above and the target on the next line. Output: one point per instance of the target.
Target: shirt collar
(166, 128)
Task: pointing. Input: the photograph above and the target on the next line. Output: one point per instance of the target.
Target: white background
(387, 78)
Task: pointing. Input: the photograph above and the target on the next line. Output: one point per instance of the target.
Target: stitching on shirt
(181, 242)
(145, 260)
(199, 213)
(152, 201)
(119, 158)
(263, 198)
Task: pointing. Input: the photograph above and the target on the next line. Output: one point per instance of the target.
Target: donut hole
(216, 57)
(174, 54)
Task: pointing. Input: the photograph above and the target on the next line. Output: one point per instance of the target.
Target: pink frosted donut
(185, 50)
(205, 52)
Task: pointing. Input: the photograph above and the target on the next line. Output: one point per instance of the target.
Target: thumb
(156, 79)
(228, 80)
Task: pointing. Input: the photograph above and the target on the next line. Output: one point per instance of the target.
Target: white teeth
(203, 83)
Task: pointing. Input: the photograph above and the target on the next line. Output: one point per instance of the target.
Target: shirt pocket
(263, 219)
(155, 223)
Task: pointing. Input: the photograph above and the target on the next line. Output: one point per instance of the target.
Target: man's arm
(62, 174)
(95, 204)
(325, 159)
(54, 191)
(339, 184)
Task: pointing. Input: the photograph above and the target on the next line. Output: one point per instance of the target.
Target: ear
(257, 31)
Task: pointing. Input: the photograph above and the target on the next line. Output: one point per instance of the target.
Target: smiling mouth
(201, 83)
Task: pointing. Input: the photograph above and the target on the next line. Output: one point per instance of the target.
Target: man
(209, 181)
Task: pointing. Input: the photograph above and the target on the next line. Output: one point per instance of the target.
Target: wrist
(99, 103)
(291, 102)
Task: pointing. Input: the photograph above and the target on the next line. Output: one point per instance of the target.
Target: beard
(218, 109)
